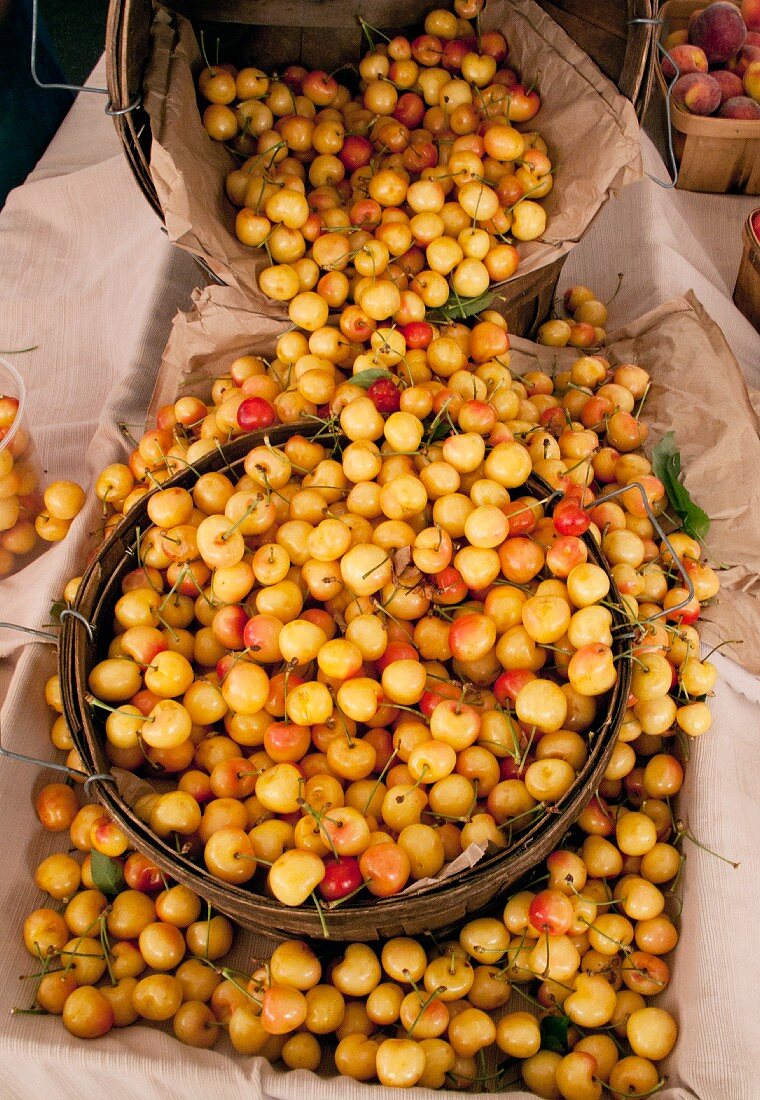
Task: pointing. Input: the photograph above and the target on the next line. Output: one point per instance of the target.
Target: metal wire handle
(658, 528)
(670, 184)
(109, 107)
(44, 636)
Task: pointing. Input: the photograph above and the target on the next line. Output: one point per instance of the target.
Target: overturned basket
(439, 905)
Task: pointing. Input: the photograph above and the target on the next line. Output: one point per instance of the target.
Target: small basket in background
(747, 289)
(717, 155)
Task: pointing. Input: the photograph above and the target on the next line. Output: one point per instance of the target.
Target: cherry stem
(728, 641)
(95, 702)
(644, 396)
(684, 832)
(379, 780)
(346, 897)
(321, 915)
(423, 1008)
(633, 1095)
(617, 289)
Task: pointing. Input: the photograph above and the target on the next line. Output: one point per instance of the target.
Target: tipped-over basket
(429, 908)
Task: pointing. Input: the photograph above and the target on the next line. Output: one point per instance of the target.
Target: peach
(741, 106)
(751, 14)
(719, 30)
(688, 59)
(741, 62)
(676, 38)
(697, 93)
(752, 39)
(752, 81)
(730, 84)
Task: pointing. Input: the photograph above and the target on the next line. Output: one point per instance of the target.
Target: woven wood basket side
(426, 910)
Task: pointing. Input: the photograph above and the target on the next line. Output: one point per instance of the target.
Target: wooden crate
(717, 155)
(747, 289)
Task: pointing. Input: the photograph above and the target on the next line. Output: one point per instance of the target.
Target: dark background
(78, 29)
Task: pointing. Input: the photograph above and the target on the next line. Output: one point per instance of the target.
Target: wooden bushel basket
(618, 36)
(440, 905)
(717, 155)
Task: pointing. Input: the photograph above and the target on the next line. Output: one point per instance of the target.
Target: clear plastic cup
(21, 498)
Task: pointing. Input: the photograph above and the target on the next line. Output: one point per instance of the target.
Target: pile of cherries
(371, 647)
(413, 194)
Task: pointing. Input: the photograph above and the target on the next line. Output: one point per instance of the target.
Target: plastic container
(20, 477)
(747, 289)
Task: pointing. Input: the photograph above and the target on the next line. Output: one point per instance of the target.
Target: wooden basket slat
(306, 13)
(426, 910)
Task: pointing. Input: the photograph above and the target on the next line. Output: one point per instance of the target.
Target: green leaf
(106, 873)
(443, 429)
(666, 465)
(554, 1034)
(365, 378)
(457, 308)
(56, 609)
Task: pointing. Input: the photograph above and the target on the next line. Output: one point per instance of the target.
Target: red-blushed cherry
(294, 77)
(551, 911)
(569, 518)
(427, 49)
(410, 110)
(418, 334)
(396, 651)
(255, 413)
(509, 768)
(449, 586)
(454, 53)
(342, 877)
(509, 683)
(356, 152)
(385, 395)
(494, 44)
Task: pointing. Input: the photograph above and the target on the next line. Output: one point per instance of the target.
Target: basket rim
(77, 654)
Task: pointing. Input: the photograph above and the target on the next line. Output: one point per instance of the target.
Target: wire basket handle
(673, 181)
(658, 528)
(109, 107)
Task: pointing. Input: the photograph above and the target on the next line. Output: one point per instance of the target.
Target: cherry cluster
(403, 198)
